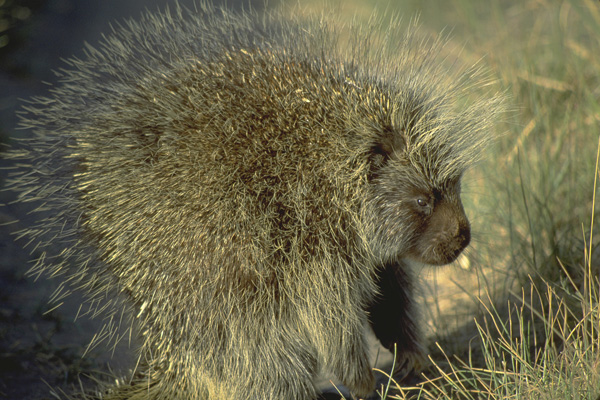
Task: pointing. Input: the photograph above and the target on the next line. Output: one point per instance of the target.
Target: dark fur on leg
(393, 319)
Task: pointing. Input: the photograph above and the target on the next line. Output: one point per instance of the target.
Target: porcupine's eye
(424, 205)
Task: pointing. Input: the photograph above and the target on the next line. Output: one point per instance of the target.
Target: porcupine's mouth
(441, 253)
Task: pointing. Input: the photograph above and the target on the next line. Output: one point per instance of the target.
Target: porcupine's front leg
(393, 319)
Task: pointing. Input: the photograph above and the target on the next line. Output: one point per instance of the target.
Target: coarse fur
(254, 186)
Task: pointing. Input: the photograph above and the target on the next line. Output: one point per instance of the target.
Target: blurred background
(532, 262)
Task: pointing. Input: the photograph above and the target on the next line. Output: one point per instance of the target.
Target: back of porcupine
(248, 183)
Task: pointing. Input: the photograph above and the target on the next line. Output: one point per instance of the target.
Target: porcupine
(254, 186)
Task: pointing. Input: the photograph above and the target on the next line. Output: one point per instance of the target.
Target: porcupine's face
(441, 229)
(415, 217)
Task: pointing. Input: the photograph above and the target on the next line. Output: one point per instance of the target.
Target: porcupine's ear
(391, 141)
